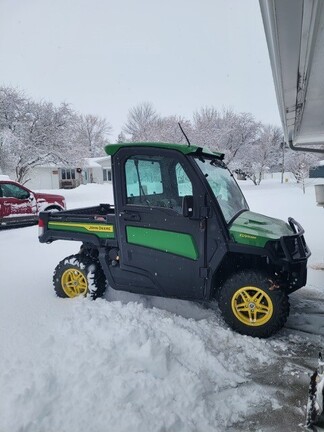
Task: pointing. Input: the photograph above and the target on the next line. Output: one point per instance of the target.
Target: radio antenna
(184, 134)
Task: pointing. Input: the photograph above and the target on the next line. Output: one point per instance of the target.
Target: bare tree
(12, 112)
(299, 163)
(207, 124)
(141, 122)
(121, 138)
(92, 134)
(255, 159)
(225, 131)
(167, 129)
(237, 132)
(31, 133)
(34, 133)
(144, 124)
(42, 137)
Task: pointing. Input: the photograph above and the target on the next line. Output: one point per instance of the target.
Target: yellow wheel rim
(74, 283)
(252, 306)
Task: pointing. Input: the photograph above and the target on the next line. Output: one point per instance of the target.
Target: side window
(143, 178)
(183, 181)
(12, 191)
(156, 181)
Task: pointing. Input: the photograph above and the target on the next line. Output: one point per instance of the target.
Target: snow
(95, 162)
(146, 364)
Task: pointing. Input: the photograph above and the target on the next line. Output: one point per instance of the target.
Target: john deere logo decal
(101, 230)
(106, 228)
(248, 236)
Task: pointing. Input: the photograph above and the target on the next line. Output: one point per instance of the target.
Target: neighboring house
(93, 170)
(286, 177)
(317, 171)
(97, 170)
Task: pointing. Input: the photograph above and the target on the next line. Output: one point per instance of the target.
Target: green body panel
(111, 149)
(255, 229)
(167, 241)
(103, 231)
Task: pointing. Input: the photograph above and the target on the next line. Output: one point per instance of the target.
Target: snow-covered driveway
(135, 363)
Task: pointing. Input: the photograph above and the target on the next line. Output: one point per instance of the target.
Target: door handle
(134, 217)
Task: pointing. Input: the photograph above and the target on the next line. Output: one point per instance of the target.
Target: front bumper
(294, 246)
(290, 253)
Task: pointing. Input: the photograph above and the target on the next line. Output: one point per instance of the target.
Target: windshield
(224, 187)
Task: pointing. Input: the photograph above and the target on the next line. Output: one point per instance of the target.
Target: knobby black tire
(90, 268)
(260, 280)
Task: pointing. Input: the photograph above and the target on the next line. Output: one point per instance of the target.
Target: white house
(92, 170)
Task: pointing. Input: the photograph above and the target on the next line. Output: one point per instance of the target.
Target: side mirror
(187, 205)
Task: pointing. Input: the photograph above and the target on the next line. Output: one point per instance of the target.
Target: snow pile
(122, 367)
(88, 195)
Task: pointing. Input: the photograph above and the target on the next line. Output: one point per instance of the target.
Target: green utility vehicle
(180, 227)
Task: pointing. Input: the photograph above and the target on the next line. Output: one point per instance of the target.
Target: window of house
(68, 173)
(106, 172)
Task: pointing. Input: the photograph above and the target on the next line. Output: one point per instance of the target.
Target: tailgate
(91, 224)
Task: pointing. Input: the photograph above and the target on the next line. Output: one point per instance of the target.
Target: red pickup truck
(20, 206)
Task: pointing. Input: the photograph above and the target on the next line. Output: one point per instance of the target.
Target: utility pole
(282, 145)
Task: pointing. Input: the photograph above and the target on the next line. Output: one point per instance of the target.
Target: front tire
(79, 275)
(249, 306)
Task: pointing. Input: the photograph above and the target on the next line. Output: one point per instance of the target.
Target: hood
(255, 229)
(48, 196)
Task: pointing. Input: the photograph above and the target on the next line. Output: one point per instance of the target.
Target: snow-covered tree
(12, 102)
(238, 131)
(141, 122)
(12, 112)
(225, 131)
(255, 159)
(35, 133)
(41, 137)
(31, 133)
(121, 138)
(299, 163)
(144, 124)
(207, 124)
(167, 129)
(92, 134)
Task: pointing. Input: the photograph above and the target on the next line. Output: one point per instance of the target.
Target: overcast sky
(105, 56)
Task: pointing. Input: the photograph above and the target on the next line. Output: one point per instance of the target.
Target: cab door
(162, 251)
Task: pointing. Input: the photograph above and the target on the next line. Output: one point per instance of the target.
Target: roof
(96, 162)
(111, 149)
(295, 36)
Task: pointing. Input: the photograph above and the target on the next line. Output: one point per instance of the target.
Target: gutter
(305, 149)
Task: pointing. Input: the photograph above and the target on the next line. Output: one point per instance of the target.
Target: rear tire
(249, 306)
(79, 275)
